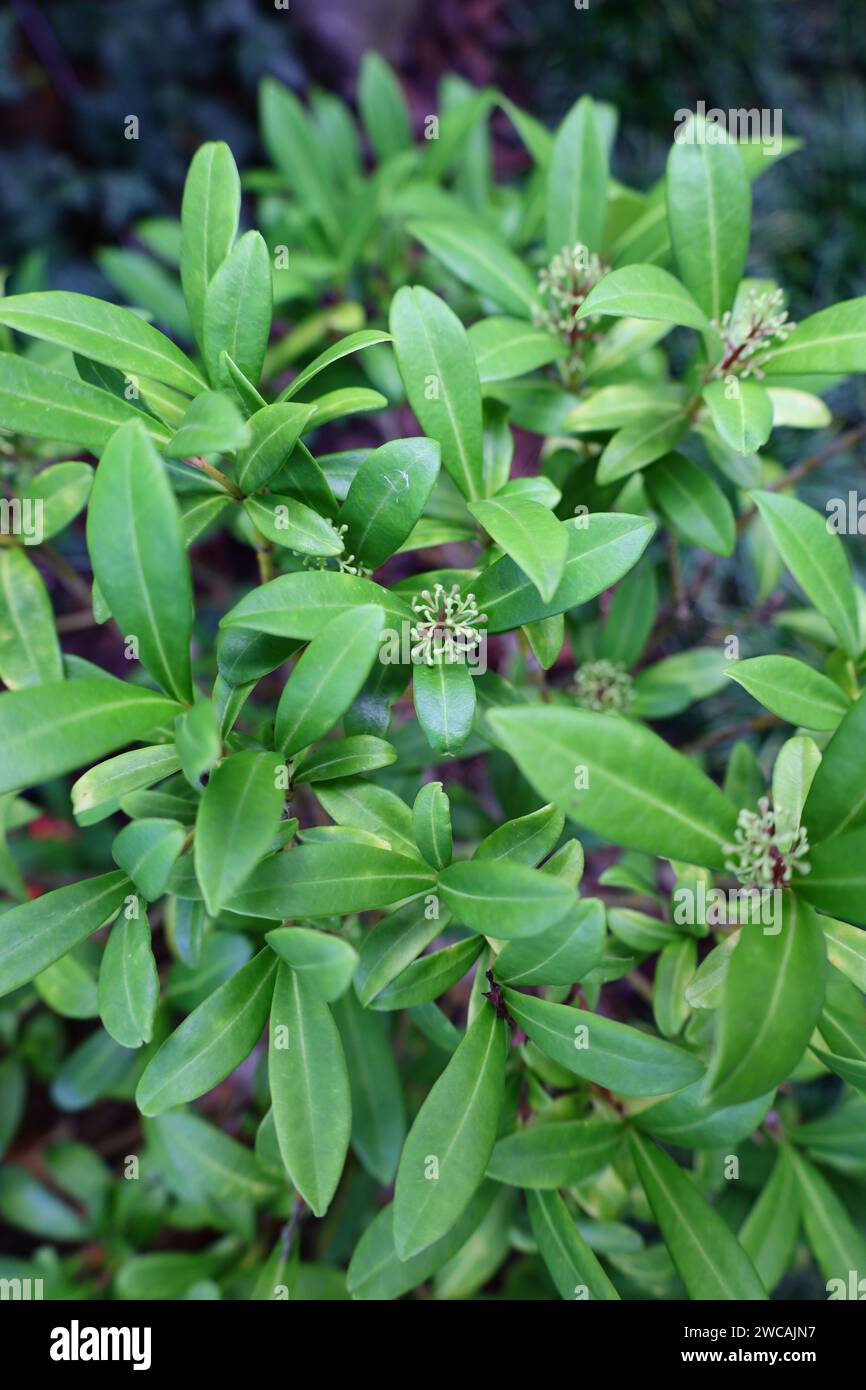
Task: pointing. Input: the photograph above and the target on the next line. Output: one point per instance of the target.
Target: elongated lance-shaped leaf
(576, 182)
(328, 677)
(38, 933)
(708, 206)
(29, 649)
(441, 379)
(450, 1143)
(708, 1257)
(309, 1089)
(237, 820)
(601, 549)
(139, 558)
(611, 1054)
(621, 780)
(209, 223)
(769, 1233)
(49, 729)
(37, 400)
(105, 332)
(573, 1267)
(212, 1040)
(773, 996)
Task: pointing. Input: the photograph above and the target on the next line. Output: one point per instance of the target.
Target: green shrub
(461, 886)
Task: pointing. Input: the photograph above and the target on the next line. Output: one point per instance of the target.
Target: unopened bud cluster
(605, 686)
(447, 624)
(752, 332)
(563, 286)
(769, 846)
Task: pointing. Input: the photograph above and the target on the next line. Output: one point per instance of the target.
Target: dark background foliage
(71, 70)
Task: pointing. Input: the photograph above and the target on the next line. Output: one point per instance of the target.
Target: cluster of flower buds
(447, 624)
(604, 686)
(563, 286)
(346, 564)
(769, 847)
(751, 333)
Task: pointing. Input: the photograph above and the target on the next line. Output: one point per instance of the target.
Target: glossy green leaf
(38, 933)
(201, 1161)
(645, 292)
(837, 1244)
(353, 342)
(573, 1267)
(209, 223)
(769, 1233)
(815, 557)
(836, 802)
(53, 728)
(323, 962)
(836, 883)
(687, 1121)
(482, 260)
(376, 1271)
(602, 547)
(430, 976)
(692, 504)
(431, 825)
(449, 1145)
(444, 698)
(560, 955)
(708, 1257)
(774, 992)
(62, 490)
(330, 878)
(241, 809)
(387, 496)
(237, 311)
(559, 1154)
(274, 432)
(531, 535)
(508, 347)
(29, 649)
(139, 558)
(309, 1089)
(611, 1054)
(576, 188)
(106, 332)
(833, 342)
(146, 851)
(213, 424)
(343, 757)
(327, 677)
(441, 379)
(383, 106)
(378, 1111)
(792, 690)
(504, 899)
(708, 206)
(741, 411)
(285, 521)
(212, 1040)
(128, 982)
(637, 445)
(36, 400)
(300, 605)
(620, 780)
